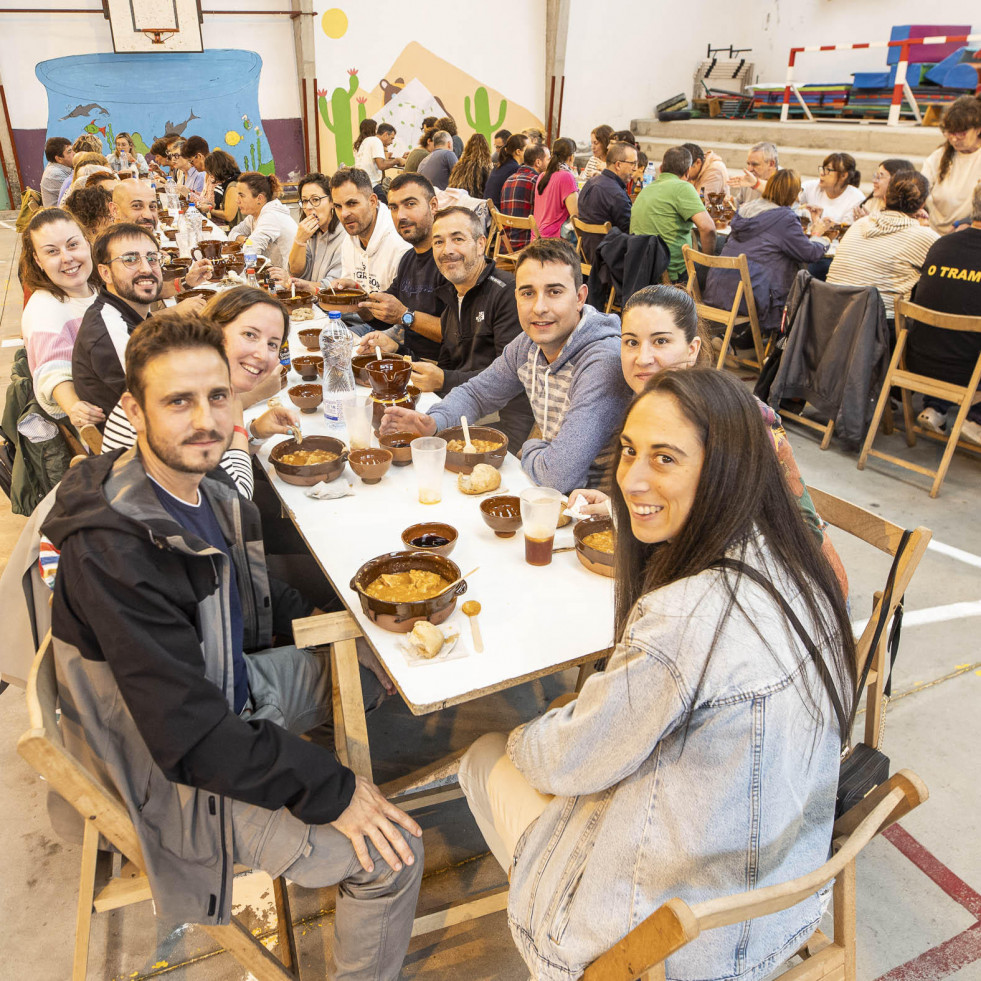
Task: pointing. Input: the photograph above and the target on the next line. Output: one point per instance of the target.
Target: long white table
(534, 620)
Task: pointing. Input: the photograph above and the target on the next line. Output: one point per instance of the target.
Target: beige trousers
(503, 803)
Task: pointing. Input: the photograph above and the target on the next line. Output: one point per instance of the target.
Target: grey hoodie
(578, 400)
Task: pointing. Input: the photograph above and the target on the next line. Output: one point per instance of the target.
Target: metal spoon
(471, 608)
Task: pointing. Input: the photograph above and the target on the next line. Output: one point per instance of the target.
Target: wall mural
(216, 93)
(418, 84)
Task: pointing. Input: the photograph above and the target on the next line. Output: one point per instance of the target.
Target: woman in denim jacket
(704, 760)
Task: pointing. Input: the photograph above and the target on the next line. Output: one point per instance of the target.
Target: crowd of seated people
(620, 411)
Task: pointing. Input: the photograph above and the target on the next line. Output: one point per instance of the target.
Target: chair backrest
(92, 439)
(585, 228)
(44, 748)
(948, 321)
(676, 924)
(493, 231)
(739, 263)
(882, 534)
(504, 222)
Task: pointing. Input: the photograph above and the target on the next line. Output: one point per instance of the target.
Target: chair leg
(955, 435)
(249, 952)
(908, 420)
(828, 433)
(844, 917)
(284, 926)
(86, 892)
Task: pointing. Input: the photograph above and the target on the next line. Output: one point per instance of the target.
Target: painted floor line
(12, 342)
(932, 614)
(955, 553)
(4, 224)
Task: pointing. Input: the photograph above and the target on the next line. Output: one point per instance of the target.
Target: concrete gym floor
(918, 892)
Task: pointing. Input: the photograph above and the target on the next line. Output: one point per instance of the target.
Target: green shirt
(665, 207)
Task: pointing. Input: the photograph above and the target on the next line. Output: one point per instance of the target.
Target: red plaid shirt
(518, 199)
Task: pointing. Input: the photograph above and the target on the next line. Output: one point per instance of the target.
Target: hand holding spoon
(471, 608)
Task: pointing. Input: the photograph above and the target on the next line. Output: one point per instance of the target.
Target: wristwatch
(408, 318)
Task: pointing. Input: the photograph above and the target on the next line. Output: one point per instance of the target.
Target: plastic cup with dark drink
(540, 510)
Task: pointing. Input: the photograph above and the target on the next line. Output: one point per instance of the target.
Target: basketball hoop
(156, 34)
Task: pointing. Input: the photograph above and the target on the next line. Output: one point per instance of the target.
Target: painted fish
(172, 129)
(232, 138)
(85, 111)
(246, 122)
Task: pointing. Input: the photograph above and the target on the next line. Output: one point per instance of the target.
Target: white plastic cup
(357, 420)
(540, 510)
(428, 461)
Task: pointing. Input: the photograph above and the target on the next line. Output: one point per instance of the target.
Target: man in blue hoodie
(567, 361)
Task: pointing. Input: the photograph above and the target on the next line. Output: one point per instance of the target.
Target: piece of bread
(426, 639)
(484, 478)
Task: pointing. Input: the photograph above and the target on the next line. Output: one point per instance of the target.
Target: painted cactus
(341, 127)
(480, 121)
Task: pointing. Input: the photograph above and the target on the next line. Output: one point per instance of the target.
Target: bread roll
(484, 478)
(426, 639)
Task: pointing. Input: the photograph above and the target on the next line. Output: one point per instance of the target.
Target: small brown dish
(171, 234)
(358, 363)
(174, 268)
(307, 476)
(370, 464)
(231, 248)
(310, 338)
(400, 618)
(164, 219)
(344, 301)
(306, 397)
(302, 298)
(433, 537)
(284, 376)
(388, 378)
(400, 445)
(460, 462)
(592, 558)
(309, 366)
(502, 514)
(187, 294)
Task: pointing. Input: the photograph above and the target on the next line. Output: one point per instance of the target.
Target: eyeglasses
(828, 170)
(314, 201)
(132, 259)
(173, 156)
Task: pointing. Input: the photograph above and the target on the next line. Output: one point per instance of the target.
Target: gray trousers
(375, 910)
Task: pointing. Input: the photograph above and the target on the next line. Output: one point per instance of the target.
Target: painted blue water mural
(214, 94)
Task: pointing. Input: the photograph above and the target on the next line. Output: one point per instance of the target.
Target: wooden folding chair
(104, 815)
(581, 228)
(92, 439)
(885, 536)
(493, 231)
(508, 258)
(907, 381)
(731, 318)
(642, 952)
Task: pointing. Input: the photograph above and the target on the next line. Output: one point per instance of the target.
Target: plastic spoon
(468, 447)
(378, 352)
(471, 608)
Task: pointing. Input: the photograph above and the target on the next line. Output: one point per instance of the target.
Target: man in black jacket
(161, 590)
(480, 316)
(604, 197)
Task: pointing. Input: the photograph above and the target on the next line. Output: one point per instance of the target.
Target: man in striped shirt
(518, 193)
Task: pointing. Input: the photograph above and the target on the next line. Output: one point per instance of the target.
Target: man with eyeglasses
(128, 259)
(604, 197)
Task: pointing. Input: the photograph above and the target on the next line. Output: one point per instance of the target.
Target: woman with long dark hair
(875, 200)
(599, 142)
(368, 127)
(557, 192)
(954, 169)
(221, 187)
(509, 160)
(472, 169)
(704, 759)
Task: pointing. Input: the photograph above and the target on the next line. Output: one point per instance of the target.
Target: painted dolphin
(85, 111)
(176, 130)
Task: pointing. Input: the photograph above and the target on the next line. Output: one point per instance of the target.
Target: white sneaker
(971, 431)
(932, 419)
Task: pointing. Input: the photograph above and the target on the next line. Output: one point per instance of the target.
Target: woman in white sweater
(267, 220)
(954, 169)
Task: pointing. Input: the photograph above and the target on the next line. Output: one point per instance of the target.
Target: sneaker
(932, 419)
(971, 431)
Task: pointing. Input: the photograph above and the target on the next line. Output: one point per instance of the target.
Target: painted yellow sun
(334, 22)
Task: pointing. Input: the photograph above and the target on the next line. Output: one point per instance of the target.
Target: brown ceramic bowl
(399, 444)
(284, 376)
(309, 366)
(230, 248)
(211, 248)
(358, 364)
(174, 268)
(465, 462)
(307, 476)
(388, 378)
(201, 291)
(370, 464)
(171, 234)
(310, 338)
(378, 408)
(303, 298)
(401, 617)
(306, 397)
(164, 219)
(592, 558)
(413, 535)
(344, 301)
(502, 514)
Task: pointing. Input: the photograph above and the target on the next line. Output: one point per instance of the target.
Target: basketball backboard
(155, 25)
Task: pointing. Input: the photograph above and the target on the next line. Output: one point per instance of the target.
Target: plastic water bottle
(251, 259)
(194, 222)
(173, 201)
(184, 245)
(336, 342)
(650, 172)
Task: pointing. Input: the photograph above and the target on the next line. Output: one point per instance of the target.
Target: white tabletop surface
(533, 620)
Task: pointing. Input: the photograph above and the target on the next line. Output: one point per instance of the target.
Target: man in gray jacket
(567, 361)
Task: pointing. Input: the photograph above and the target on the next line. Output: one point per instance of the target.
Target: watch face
(408, 318)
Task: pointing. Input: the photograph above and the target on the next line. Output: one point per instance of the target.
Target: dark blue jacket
(603, 198)
(775, 246)
(496, 179)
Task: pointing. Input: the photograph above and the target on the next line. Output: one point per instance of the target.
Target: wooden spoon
(468, 447)
(471, 608)
(455, 582)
